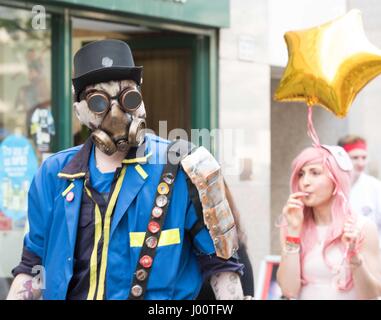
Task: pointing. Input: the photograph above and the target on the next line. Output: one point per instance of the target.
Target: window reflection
(26, 125)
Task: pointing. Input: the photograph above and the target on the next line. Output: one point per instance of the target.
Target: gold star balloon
(329, 64)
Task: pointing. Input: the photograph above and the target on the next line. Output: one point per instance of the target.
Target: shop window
(26, 125)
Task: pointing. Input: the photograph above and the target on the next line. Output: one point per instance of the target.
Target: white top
(322, 281)
(365, 199)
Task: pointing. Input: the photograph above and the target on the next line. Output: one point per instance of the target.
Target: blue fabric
(213, 264)
(98, 180)
(53, 223)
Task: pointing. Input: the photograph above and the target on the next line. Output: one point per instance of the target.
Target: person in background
(328, 250)
(365, 195)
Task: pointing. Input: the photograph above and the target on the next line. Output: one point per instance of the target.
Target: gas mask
(115, 113)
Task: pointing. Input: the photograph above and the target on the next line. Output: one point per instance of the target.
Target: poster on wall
(42, 127)
(18, 164)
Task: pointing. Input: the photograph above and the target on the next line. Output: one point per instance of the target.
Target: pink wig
(340, 207)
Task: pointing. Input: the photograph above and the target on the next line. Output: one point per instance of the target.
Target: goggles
(99, 101)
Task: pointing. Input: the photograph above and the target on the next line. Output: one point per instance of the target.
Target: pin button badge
(151, 242)
(153, 227)
(157, 212)
(168, 178)
(163, 188)
(70, 196)
(161, 201)
(141, 274)
(146, 261)
(137, 290)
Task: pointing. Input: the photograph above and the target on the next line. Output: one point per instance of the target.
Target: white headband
(341, 156)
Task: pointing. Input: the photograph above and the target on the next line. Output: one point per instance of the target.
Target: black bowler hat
(103, 61)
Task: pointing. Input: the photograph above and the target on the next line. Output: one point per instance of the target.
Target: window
(26, 125)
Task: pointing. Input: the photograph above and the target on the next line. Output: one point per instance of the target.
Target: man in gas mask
(113, 219)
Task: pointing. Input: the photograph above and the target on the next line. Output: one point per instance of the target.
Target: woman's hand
(293, 211)
(351, 236)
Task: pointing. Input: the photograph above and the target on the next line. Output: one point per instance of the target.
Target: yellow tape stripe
(71, 176)
(94, 254)
(167, 237)
(137, 160)
(141, 171)
(106, 233)
(71, 186)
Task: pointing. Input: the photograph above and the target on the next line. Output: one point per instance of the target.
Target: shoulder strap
(195, 198)
(176, 150)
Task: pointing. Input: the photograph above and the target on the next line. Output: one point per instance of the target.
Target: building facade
(175, 40)
(252, 58)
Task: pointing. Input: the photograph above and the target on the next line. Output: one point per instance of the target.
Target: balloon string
(311, 130)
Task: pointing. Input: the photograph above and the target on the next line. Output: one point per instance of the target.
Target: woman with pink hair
(328, 251)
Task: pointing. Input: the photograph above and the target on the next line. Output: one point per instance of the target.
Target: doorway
(168, 59)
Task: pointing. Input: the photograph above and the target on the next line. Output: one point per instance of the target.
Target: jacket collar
(77, 167)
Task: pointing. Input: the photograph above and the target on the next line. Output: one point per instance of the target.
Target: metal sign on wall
(209, 13)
